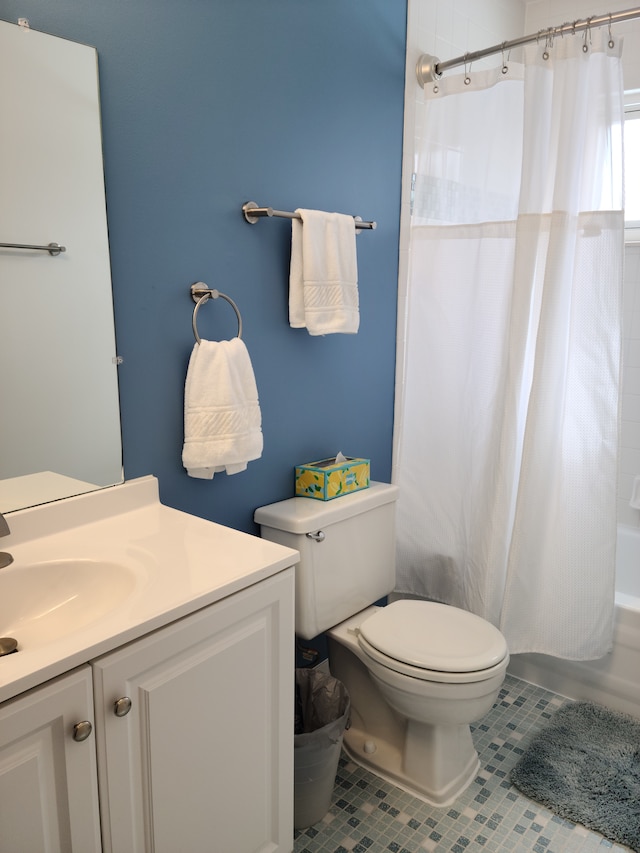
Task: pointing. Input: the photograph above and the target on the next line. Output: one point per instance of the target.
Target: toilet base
(438, 778)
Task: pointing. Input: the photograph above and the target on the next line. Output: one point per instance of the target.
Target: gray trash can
(321, 716)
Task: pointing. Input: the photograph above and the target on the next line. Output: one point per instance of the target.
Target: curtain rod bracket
(427, 69)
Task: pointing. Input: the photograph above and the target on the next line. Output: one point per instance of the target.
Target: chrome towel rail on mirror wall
(53, 248)
(252, 212)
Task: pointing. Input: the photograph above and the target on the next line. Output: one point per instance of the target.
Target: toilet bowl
(410, 723)
(418, 673)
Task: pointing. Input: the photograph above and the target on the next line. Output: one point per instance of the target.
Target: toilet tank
(347, 552)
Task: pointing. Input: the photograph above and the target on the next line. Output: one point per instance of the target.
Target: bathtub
(615, 679)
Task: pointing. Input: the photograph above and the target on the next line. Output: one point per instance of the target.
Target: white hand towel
(222, 419)
(323, 280)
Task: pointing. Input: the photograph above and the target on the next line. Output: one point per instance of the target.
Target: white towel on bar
(222, 419)
(323, 279)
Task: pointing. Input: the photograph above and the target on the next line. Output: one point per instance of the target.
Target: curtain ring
(548, 43)
(467, 79)
(587, 35)
(611, 42)
(505, 67)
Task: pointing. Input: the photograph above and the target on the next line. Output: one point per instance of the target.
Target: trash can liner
(321, 716)
(322, 708)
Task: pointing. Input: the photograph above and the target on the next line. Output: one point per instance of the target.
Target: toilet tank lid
(303, 515)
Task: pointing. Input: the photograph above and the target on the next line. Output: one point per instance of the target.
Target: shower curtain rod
(429, 69)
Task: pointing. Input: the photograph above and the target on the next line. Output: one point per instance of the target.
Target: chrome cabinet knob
(121, 707)
(81, 731)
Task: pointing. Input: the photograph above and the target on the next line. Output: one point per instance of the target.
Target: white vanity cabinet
(185, 674)
(201, 758)
(48, 781)
(193, 729)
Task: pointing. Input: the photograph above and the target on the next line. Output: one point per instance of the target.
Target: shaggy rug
(585, 766)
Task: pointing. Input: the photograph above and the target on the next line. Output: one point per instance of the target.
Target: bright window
(632, 170)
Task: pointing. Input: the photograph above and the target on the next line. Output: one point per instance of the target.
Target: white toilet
(418, 673)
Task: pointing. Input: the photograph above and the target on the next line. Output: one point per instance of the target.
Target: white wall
(629, 457)
(450, 28)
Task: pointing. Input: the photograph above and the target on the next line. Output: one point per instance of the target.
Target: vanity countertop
(178, 564)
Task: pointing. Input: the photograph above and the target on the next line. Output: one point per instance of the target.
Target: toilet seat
(434, 642)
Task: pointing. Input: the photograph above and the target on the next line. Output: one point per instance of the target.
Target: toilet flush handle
(317, 537)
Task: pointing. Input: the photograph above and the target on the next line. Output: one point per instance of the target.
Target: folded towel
(222, 420)
(323, 280)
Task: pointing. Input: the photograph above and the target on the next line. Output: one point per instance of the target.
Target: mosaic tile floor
(370, 815)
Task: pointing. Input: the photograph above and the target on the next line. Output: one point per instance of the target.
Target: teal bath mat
(585, 766)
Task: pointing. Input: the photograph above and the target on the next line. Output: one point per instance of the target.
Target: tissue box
(328, 479)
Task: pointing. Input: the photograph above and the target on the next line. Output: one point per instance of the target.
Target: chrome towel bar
(252, 212)
(53, 248)
(200, 293)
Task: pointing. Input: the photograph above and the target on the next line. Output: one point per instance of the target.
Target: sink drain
(8, 646)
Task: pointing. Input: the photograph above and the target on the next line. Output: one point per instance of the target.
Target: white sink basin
(42, 602)
(95, 572)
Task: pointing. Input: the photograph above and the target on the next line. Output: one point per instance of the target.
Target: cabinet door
(203, 761)
(48, 780)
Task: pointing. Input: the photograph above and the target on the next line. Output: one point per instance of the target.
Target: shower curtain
(505, 443)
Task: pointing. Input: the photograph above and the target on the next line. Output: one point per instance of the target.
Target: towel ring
(200, 293)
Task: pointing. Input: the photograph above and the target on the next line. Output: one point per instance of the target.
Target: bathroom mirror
(59, 411)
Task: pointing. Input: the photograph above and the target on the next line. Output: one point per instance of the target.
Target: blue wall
(207, 104)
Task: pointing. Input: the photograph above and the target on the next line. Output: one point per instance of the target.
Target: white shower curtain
(506, 428)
